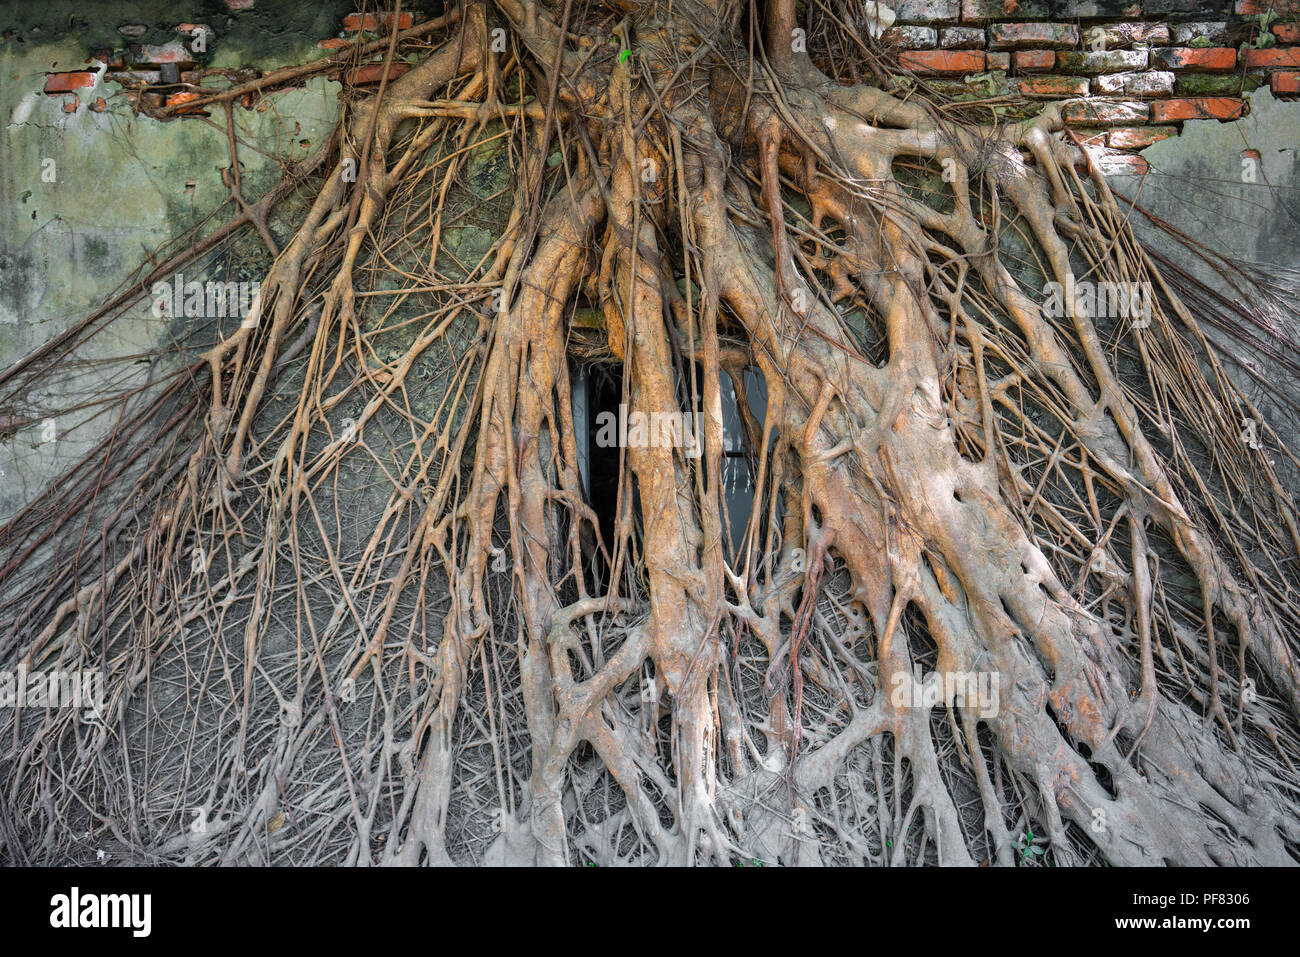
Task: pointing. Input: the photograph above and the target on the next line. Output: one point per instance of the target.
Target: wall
(1160, 91)
(1131, 73)
(90, 186)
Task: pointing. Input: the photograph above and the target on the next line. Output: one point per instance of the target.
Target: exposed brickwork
(134, 78)
(1285, 81)
(1275, 57)
(1135, 84)
(1034, 60)
(942, 61)
(1122, 164)
(1253, 8)
(1127, 76)
(66, 82)
(1214, 84)
(913, 38)
(1100, 61)
(1138, 137)
(1106, 113)
(928, 11)
(1197, 108)
(1056, 87)
(356, 21)
(374, 72)
(173, 52)
(179, 99)
(1129, 34)
(961, 38)
(1090, 137)
(1017, 36)
(1192, 58)
(1287, 32)
(1215, 33)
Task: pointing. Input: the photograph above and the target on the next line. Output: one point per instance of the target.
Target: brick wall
(171, 73)
(1130, 73)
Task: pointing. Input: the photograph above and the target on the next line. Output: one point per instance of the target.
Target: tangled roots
(1008, 570)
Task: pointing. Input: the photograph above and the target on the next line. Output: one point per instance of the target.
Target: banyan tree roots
(1013, 588)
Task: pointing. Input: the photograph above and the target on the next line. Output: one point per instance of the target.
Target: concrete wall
(1235, 188)
(89, 188)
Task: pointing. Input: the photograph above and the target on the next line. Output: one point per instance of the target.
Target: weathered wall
(89, 187)
(1131, 73)
(1195, 182)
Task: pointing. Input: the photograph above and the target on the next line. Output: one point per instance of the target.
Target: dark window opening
(604, 382)
(740, 451)
(597, 395)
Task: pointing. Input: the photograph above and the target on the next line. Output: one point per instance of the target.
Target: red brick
(1015, 36)
(1060, 86)
(1138, 137)
(1193, 58)
(171, 52)
(1253, 8)
(177, 99)
(356, 21)
(71, 104)
(1095, 139)
(1197, 108)
(66, 82)
(100, 105)
(997, 61)
(1289, 58)
(334, 43)
(942, 61)
(1123, 164)
(374, 72)
(1034, 59)
(109, 58)
(1284, 81)
(1287, 32)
